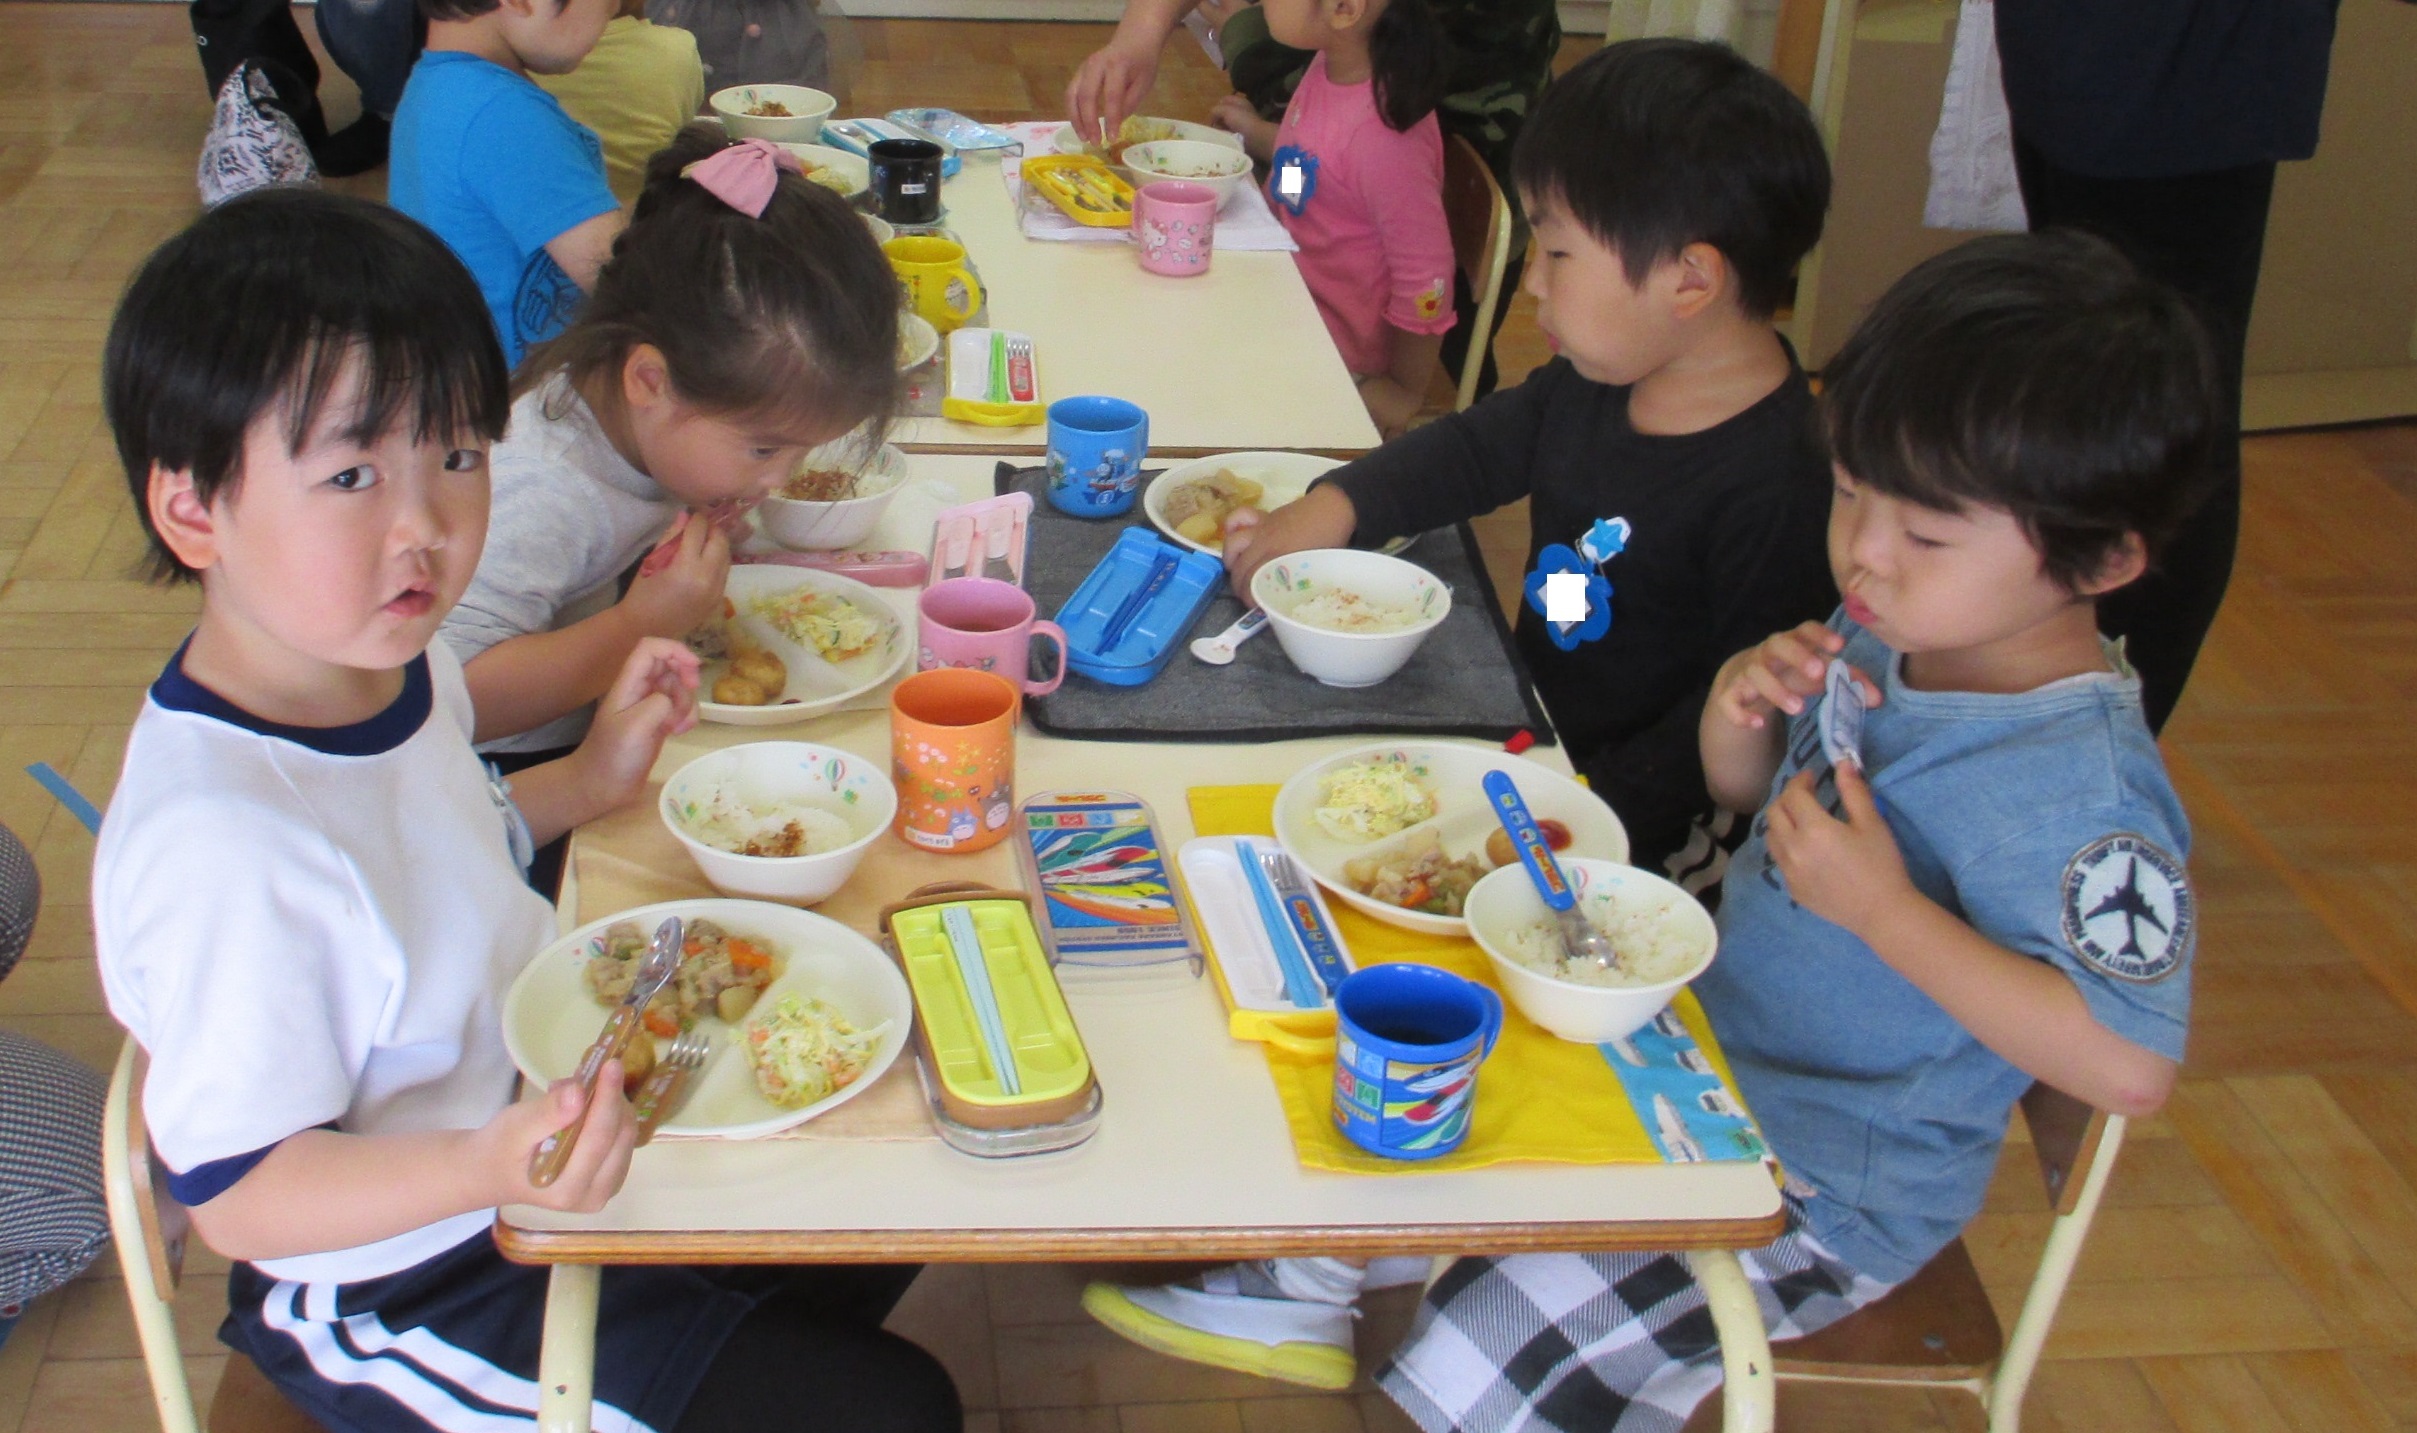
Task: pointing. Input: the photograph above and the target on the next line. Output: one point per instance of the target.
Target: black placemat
(1466, 679)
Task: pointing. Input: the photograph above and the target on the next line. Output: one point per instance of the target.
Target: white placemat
(1245, 223)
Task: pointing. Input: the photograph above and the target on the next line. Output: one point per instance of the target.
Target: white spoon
(1219, 650)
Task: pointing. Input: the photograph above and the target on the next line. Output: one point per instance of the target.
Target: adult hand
(1848, 872)
(1111, 83)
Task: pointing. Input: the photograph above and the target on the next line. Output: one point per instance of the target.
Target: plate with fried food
(1192, 502)
(801, 1012)
(793, 643)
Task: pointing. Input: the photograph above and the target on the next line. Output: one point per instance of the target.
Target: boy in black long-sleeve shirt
(1673, 187)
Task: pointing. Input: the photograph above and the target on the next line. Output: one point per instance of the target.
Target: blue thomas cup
(1408, 1041)
(1095, 450)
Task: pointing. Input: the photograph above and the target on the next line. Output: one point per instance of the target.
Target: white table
(1230, 359)
(1192, 1159)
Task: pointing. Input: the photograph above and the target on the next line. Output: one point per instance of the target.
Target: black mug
(906, 180)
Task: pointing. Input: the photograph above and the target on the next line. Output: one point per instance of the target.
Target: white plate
(817, 686)
(1285, 476)
(1463, 818)
(551, 1017)
(852, 167)
(1066, 141)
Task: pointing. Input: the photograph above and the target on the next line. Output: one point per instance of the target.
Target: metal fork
(661, 1092)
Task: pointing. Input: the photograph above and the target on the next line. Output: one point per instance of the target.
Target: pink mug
(1172, 222)
(985, 625)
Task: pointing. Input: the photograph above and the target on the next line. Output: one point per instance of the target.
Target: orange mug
(952, 753)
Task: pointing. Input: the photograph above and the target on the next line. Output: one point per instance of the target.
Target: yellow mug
(933, 279)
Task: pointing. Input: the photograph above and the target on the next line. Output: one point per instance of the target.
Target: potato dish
(721, 975)
(1201, 508)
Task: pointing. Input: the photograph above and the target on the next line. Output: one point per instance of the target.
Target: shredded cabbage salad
(803, 1051)
(1370, 800)
(833, 626)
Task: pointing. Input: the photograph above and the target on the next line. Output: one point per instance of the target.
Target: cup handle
(973, 294)
(1056, 635)
(1493, 1018)
(1286, 1040)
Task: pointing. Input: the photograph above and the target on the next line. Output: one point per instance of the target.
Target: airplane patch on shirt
(2128, 909)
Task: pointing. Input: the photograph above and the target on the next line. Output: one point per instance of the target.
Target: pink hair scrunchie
(745, 175)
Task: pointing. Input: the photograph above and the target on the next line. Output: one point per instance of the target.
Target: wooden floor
(2256, 1267)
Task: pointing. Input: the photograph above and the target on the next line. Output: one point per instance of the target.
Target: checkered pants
(1596, 1343)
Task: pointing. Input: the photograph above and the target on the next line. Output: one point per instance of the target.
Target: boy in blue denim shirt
(1983, 889)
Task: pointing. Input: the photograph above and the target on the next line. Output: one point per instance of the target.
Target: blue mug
(1408, 1040)
(1095, 450)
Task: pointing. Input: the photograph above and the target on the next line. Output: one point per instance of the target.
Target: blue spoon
(1581, 942)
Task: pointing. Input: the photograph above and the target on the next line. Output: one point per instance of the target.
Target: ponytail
(1406, 51)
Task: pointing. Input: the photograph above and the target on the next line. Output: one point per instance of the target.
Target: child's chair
(150, 1228)
(1937, 1328)
(1480, 220)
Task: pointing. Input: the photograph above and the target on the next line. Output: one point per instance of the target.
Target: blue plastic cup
(1408, 1041)
(1095, 450)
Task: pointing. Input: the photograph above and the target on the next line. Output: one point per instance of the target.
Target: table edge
(1004, 1246)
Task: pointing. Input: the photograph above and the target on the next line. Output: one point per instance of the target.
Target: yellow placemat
(1539, 1097)
(628, 859)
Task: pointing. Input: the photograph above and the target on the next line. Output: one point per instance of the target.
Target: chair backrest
(2068, 1136)
(149, 1228)
(1480, 220)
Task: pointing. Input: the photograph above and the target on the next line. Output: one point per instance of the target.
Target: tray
(1240, 951)
(1148, 635)
(1051, 1063)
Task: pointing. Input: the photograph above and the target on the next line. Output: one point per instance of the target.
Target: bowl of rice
(782, 820)
(1192, 161)
(791, 114)
(836, 496)
(1664, 937)
(1346, 617)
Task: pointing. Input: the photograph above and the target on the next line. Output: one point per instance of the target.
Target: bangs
(360, 387)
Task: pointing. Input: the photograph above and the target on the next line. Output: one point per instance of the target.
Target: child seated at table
(1668, 453)
(636, 89)
(306, 901)
(746, 317)
(1356, 177)
(1986, 890)
(510, 182)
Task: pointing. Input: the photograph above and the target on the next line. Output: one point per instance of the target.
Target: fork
(661, 1092)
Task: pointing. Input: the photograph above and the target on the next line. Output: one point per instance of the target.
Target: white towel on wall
(1972, 183)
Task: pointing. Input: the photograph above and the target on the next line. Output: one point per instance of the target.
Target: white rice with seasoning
(1655, 941)
(1338, 610)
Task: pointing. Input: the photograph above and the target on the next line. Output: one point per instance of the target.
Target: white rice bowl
(1664, 937)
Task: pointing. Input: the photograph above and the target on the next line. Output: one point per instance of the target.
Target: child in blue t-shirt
(1983, 889)
(494, 165)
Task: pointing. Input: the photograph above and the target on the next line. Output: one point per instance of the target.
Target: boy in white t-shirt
(308, 898)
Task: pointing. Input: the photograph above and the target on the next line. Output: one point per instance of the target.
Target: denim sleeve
(537, 170)
(2102, 895)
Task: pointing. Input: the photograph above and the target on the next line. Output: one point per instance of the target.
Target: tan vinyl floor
(2256, 1268)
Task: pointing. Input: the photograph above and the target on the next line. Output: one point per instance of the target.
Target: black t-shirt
(2144, 89)
(1727, 545)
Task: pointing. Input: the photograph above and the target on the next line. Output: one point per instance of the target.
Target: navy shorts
(452, 1343)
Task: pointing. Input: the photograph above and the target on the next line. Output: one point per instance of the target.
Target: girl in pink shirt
(1357, 178)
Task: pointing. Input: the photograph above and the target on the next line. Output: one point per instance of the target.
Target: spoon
(1219, 650)
(1580, 941)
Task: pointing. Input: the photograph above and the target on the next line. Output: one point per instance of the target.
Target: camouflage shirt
(1501, 53)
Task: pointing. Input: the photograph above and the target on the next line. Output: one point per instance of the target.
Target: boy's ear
(1700, 279)
(1343, 14)
(645, 377)
(2122, 567)
(181, 518)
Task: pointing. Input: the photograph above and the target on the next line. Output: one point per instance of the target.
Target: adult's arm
(1112, 81)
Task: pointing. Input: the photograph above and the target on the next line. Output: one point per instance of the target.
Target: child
(1986, 891)
(1673, 187)
(511, 183)
(305, 900)
(1357, 179)
(737, 326)
(636, 89)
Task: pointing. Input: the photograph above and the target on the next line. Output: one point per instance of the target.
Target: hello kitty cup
(952, 757)
(1172, 222)
(985, 625)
